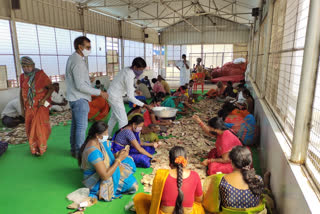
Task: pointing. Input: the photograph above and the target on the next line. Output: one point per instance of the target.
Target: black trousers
(12, 122)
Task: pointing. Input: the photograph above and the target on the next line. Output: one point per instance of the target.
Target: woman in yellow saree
(239, 192)
(176, 191)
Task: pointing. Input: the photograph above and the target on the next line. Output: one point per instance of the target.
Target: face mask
(86, 52)
(104, 139)
(143, 111)
(138, 129)
(137, 73)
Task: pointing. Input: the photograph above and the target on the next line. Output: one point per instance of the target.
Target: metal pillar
(307, 86)
(15, 47)
(256, 51)
(121, 43)
(251, 49)
(265, 60)
(144, 44)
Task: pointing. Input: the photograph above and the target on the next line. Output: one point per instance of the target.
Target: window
(97, 58)
(113, 56)
(173, 55)
(6, 53)
(193, 52)
(217, 55)
(285, 60)
(48, 47)
(149, 56)
(158, 59)
(132, 49)
(313, 158)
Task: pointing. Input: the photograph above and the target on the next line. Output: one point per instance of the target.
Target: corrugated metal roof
(150, 13)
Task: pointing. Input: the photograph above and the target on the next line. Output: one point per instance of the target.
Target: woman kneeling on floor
(173, 191)
(105, 174)
(238, 192)
(141, 152)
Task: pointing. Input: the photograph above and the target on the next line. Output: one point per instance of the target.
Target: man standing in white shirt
(58, 101)
(11, 115)
(184, 68)
(79, 91)
(122, 84)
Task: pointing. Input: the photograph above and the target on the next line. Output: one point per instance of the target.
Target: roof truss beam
(181, 16)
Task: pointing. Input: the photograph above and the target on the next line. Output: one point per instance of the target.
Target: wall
(65, 14)
(288, 181)
(224, 32)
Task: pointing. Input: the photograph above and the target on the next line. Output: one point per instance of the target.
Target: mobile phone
(46, 104)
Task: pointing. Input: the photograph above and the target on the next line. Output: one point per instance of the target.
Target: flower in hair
(248, 167)
(181, 160)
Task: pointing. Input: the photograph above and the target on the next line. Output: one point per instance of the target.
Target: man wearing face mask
(79, 91)
(122, 84)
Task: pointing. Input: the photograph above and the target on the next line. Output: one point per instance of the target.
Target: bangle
(118, 160)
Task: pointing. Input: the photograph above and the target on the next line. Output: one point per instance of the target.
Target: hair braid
(254, 183)
(178, 208)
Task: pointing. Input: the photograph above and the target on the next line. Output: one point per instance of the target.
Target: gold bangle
(118, 160)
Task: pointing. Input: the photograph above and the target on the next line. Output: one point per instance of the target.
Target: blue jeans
(79, 124)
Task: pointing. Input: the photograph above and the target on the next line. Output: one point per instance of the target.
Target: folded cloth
(79, 195)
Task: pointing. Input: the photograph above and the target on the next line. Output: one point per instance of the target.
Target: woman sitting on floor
(182, 90)
(141, 152)
(148, 132)
(177, 190)
(212, 93)
(238, 192)
(181, 103)
(248, 103)
(218, 158)
(240, 121)
(105, 174)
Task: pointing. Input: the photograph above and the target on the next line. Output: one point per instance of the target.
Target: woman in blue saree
(141, 152)
(108, 176)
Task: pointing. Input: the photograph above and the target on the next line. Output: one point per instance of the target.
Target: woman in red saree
(99, 108)
(36, 89)
(218, 158)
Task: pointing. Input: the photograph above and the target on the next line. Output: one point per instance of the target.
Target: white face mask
(138, 129)
(86, 52)
(104, 138)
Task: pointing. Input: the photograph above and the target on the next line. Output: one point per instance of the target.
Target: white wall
(289, 184)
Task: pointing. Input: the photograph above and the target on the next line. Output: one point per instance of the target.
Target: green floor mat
(40, 185)
(31, 185)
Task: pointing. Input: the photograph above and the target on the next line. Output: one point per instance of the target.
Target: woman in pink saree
(218, 158)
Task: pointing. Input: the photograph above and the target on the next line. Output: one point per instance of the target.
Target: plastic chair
(199, 80)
